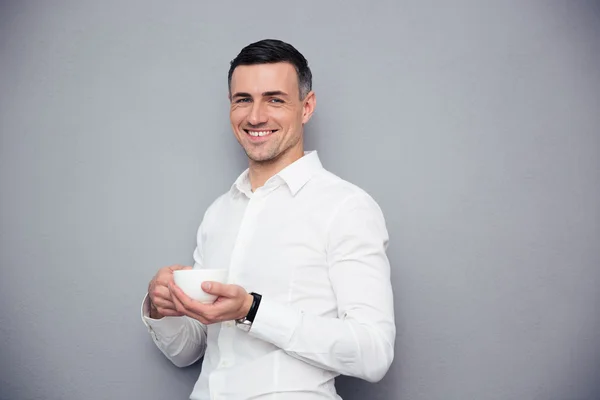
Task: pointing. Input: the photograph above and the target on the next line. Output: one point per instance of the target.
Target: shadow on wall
(352, 388)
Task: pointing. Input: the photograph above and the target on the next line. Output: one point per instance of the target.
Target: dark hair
(270, 51)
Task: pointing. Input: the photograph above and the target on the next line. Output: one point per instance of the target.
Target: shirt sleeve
(181, 339)
(360, 341)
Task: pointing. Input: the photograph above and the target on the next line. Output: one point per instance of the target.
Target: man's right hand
(161, 304)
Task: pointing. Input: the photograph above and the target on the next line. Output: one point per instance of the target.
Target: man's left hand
(233, 302)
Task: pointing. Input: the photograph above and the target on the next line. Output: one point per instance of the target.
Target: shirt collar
(298, 173)
(295, 175)
(242, 184)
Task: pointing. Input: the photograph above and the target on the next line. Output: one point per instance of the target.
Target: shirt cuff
(166, 327)
(275, 323)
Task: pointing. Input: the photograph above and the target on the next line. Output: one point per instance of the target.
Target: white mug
(190, 281)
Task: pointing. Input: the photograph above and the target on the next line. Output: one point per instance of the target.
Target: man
(308, 295)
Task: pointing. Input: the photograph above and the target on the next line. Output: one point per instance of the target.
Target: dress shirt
(314, 246)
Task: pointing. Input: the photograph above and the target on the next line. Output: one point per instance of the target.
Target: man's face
(267, 115)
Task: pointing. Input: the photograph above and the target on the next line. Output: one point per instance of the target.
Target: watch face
(243, 324)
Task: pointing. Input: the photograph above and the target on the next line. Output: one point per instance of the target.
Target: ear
(308, 106)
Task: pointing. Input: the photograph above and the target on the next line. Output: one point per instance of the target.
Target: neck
(261, 171)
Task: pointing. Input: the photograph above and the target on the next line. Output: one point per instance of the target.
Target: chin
(261, 157)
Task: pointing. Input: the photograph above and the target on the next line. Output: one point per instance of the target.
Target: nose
(257, 114)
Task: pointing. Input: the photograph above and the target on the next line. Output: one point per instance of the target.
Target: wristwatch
(245, 323)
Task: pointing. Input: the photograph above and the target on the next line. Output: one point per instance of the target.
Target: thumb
(211, 287)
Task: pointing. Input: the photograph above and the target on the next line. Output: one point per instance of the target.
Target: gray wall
(476, 126)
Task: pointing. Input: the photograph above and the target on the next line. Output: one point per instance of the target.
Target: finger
(161, 297)
(160, 292)
(164, 304)
(179, 297)
(220, 289)
(192, 308)
(159, 280)
(177, 267)
(170, 313)
(180, 309)
(225, 308)
(166, 275)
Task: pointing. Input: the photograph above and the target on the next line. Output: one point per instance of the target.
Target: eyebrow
(264, 94)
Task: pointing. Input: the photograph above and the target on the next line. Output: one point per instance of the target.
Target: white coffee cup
(190, 281)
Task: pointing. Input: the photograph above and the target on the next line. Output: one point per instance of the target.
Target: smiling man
(308, 295)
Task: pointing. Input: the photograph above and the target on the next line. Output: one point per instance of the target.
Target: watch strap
(254, 307)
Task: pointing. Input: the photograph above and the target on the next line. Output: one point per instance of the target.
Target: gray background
(475, 125)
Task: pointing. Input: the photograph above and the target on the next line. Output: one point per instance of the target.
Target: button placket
(244, 236)
(216, 384)
(226, 334)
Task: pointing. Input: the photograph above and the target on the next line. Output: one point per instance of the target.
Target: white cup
(190, 281)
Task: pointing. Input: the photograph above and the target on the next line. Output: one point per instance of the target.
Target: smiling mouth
(261, 133)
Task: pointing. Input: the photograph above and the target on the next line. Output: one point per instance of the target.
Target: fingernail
(206, 285)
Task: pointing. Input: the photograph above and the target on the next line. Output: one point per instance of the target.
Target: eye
(243, 100)
(276, 100)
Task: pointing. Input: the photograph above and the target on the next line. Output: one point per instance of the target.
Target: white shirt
(313, 245)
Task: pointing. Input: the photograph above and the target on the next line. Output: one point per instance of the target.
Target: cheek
(237, 116)
(284, 117)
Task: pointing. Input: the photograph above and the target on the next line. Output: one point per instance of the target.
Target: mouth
(255, 133)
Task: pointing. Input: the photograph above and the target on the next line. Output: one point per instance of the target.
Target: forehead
(259, 78)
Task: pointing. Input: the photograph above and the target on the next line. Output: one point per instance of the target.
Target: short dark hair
(270, 51)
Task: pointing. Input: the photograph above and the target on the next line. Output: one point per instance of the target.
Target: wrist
(245, 322)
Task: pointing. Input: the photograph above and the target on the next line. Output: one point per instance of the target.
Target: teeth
(258, 133)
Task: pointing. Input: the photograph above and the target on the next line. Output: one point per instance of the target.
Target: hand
(233, 302)
(161, 304)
